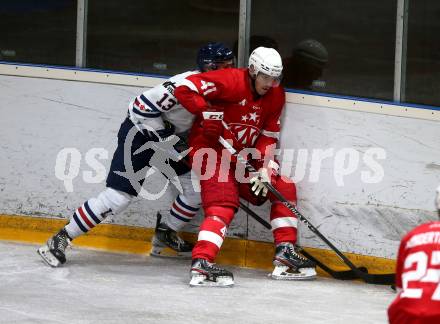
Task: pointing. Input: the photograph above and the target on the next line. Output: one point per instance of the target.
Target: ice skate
(207, 274)
(289, 265)
(166, 242)
(53, 252)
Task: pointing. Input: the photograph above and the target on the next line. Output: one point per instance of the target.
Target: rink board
(130, 239)
(43, 115)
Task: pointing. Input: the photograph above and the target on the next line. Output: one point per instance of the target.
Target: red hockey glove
(212, 124)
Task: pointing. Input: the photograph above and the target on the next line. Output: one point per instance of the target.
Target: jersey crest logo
(243, 102)
(245, 134)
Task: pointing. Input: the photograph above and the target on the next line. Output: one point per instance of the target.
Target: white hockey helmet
(267, 61)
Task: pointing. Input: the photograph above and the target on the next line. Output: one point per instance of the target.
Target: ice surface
(100, 287)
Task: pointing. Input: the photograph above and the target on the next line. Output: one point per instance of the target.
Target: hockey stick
(341, 275)
(383, 279)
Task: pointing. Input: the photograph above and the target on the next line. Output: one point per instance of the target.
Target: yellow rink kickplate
(132, 239)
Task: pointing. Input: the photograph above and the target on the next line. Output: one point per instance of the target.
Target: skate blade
(286, 273)
(166, 252)
(48, 257)
(201, 281)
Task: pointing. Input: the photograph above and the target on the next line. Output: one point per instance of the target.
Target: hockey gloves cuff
(212, 124)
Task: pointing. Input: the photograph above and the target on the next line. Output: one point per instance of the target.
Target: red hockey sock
(212, 232)
(283, 222)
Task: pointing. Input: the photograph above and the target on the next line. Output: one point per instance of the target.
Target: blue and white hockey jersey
(157, 104)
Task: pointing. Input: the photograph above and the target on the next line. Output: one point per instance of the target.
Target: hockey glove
(166, 132)
(156, 135)
(167, 135)
(181, 145)
(212, 124)
(263, 176)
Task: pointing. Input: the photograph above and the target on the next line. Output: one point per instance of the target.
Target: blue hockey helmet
(212, 54)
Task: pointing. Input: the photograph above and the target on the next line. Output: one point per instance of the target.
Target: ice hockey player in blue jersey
(152, 137)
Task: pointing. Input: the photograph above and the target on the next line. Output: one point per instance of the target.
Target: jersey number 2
(421, 274)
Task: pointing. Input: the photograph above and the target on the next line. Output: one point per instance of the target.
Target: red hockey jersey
(418, 276)
(253, 120)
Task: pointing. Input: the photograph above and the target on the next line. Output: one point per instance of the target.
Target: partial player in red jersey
(418, 276)
(243, 106)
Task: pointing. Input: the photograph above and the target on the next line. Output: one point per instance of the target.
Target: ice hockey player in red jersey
(418, 275)
(155, 120)
(243, 106)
